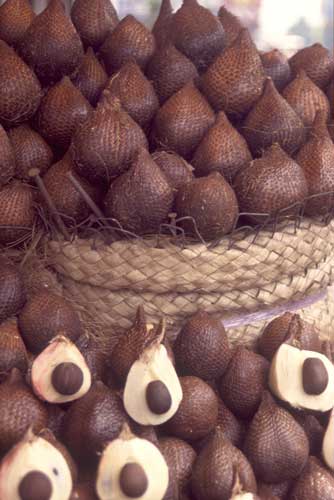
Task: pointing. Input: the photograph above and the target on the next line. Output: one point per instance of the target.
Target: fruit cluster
(136, 416)
(188, 121)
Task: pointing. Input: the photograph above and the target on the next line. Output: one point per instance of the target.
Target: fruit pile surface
(187, 123)
(135, 415)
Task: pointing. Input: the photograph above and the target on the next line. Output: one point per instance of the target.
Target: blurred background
(285, 24)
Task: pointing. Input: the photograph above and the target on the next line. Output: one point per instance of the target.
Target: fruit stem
(35, 174)
(92, 205)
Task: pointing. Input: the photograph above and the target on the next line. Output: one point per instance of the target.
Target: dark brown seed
(107, 142)
(51, 45)
(169, 70)
(305, 335)
(91, 77)
(222, 150)
(158, 397)
(244, 381)
(317, 61)
(315, 376)
(202, 348)
(35, 485)
(316, 158)
(44, 316)
(180, 458)
(7, 158)
(20, 90)
(276, 67)
(232, 25)
(67, 378)
(220, 204)
(276, 455)
(135, 93)
(141, 199)
(272, 120)
(62, 111)
(94, 20)
(12, 290)
(130, 40)
(67, 200)
(306, 98)
(175, 168)
(235, 80)
(93, 421)
(133, 480)
(15, 18)
(197, 33)
(214, 470)
(262, 187)
(19, 410)
(315, 482)
(31, 151)
(161, 28)
(183, 120)
(13, 353)
(17, 213)
(197, 414)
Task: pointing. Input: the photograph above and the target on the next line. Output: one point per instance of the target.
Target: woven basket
(243, 275)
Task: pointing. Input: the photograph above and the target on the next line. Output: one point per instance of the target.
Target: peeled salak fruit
(235, 80)
(273, 120)
(270, 184)
(232, 25)
(136, 93)
(223, 149)
(306, 98)
(91, 77)
(94, 20)
(316, 158)
(276, 66)
(317, 61)
(20, 89)
(130, 40)
(51, 45)
(63, 109)
(30, 150)
(182, 121)
(7, 158)
(107, 142)
(169, 70)
(161, 26)
(197, 33)
(141, 199)
(15, 18)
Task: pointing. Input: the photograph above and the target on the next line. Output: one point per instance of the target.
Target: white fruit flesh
(328, 443)
(154, 364)
(34, 454)
(60, 350)
(286, 379)
(135, 450)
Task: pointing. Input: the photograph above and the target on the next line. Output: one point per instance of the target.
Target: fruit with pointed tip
(276, 445)
(276, 67)
(13, 353)
(45, 316)
(262, 187)
(315, 482)
(15, 18)
(175, 168)
(317, 61)
(197, 33)
(306, 98)
(17, 214)
(223, 149)
(90, 77)
(7, 158)
(20, 89)
(12, 289)
(140, 199)
(130, 40)
(51, 45)
(107, 142)
(232, 25)
(161, 25)
(94, 20)
(234, 81)
(180, 458)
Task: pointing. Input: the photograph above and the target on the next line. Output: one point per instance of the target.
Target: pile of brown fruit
(141, 417)
(187, 122)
